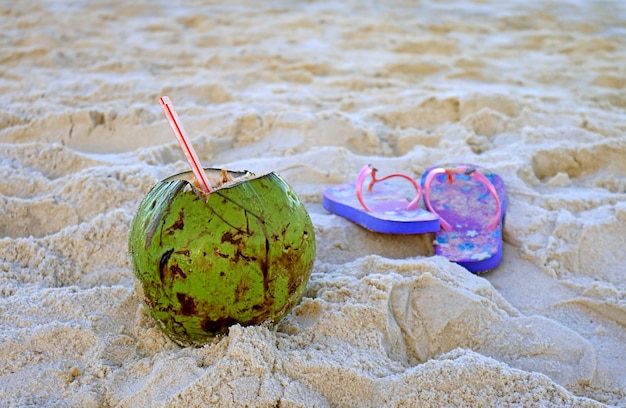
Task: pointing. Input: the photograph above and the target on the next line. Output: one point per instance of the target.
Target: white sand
(315, 90)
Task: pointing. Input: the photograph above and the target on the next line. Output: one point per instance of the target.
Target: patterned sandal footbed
(468, 206)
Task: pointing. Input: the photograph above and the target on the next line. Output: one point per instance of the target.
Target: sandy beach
(315, 90)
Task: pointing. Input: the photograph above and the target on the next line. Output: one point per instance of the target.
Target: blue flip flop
(382, 206)
(471, 204)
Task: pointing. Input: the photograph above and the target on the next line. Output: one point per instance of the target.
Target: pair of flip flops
(465, 209)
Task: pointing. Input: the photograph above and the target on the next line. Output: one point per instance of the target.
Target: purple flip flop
(381, 207)
(471, 204)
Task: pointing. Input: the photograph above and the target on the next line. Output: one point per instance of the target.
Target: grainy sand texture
(314, 90)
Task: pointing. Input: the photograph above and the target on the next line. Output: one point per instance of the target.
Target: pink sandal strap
(370, 170)
(474, 174)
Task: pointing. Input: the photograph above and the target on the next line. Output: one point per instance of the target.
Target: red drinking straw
(185, 144)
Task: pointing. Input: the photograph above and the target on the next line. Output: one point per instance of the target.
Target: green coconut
(243, 254)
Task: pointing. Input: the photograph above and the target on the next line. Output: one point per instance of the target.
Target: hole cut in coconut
(218, 178)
